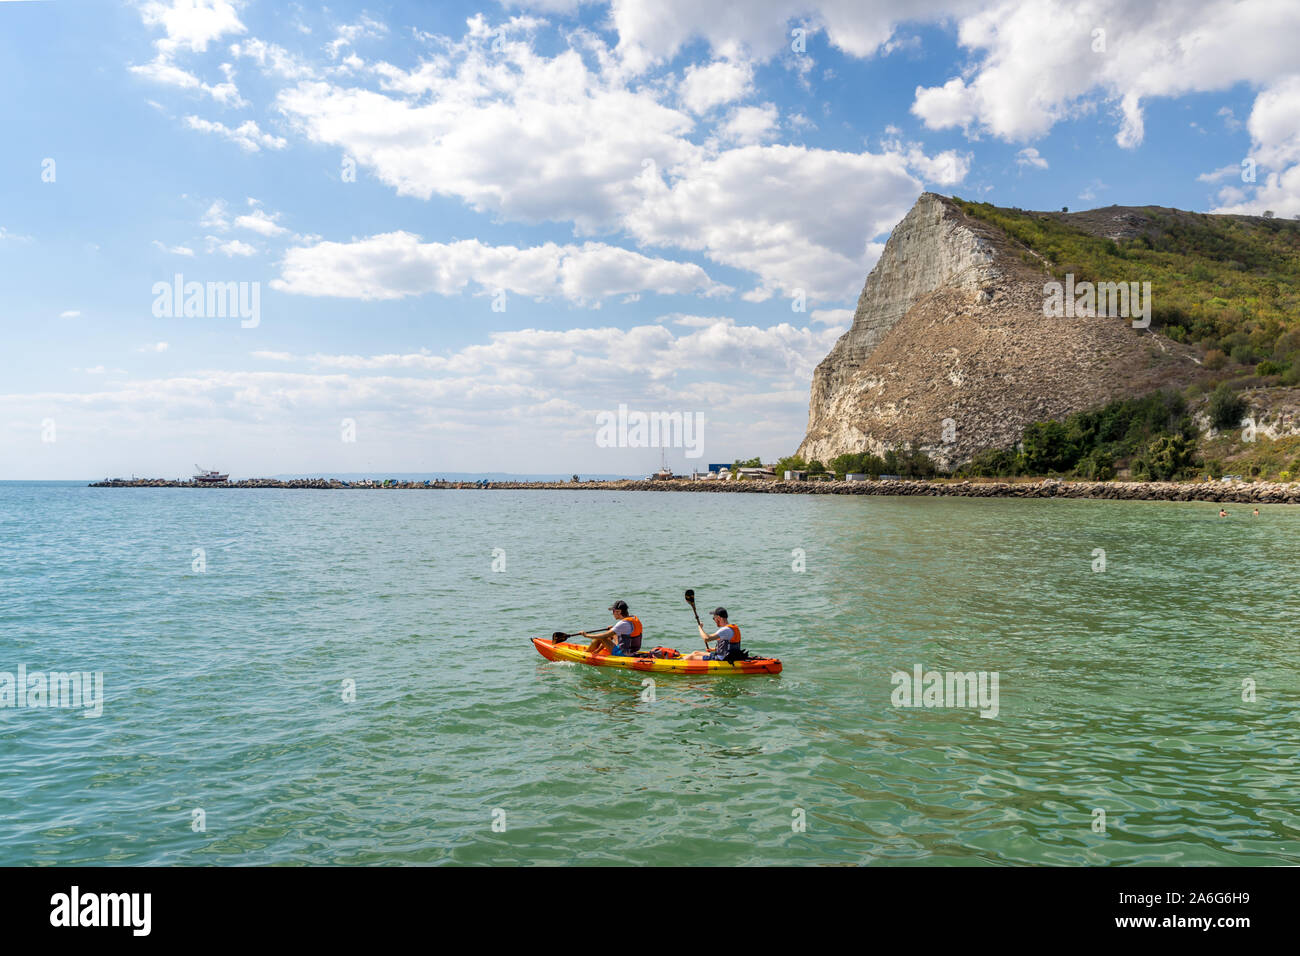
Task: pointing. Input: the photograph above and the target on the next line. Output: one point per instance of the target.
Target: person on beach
(622, 638)
(727, 635)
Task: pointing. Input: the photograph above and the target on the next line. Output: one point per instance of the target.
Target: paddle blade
(690, 598)
(558, 636)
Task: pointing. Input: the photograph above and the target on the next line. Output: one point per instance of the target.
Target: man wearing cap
(622, 639)
(727, 636)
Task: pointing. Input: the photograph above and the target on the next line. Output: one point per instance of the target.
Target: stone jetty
(1236, 492)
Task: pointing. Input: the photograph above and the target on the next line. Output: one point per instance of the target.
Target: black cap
(720, 612)
(620, 606)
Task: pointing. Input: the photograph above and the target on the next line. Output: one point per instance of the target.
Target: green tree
(1047, 447)
(1166, 458)
(790, 463)
(1226, 407)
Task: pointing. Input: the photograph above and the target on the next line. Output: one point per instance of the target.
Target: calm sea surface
(1120, 691)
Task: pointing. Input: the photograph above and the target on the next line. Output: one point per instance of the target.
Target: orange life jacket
(735, 638)
(636, 626)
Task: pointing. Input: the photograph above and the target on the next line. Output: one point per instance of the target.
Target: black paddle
(690, 599)
(561, 636)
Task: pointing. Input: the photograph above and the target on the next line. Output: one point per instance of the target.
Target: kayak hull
(578, 654)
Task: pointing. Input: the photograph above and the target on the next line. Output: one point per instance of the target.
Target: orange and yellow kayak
(578, 654)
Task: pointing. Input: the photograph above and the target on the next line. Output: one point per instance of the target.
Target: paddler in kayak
(727, 636)
(622, 638)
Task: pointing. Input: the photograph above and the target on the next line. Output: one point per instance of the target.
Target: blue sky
(474, 227)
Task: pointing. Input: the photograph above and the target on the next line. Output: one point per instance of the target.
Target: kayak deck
(578, 654)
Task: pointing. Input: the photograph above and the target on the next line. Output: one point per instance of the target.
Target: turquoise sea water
(1120, 691)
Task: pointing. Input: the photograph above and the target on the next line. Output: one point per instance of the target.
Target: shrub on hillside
(1166, 458)
(1226, 408)
(1098, 466)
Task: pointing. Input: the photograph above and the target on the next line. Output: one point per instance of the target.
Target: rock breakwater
(1212, 491)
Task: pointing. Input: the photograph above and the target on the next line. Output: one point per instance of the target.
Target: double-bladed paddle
(690, 599)
(561, 636)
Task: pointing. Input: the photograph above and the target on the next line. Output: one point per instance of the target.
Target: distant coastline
(1238, 492)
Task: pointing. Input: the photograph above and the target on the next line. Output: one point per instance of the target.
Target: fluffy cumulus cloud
(723, 81)
(578, 136)
(258, 220)
(492, 122)
(510, 132)
(398, 264)
(550, 359)
(650, 31)
(189, 26)
(1041, 61)
(247, 136)
(1274, 126)
(530, 391)
(747, 125)
(1029, 157)
(798, 218)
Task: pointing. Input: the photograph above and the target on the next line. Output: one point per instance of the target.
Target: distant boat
(208, 476)
(664, 473)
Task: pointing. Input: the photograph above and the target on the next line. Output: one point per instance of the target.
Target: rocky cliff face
(949, 349)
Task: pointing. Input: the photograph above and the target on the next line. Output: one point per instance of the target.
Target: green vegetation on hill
(1229, 284)
(1154, 432)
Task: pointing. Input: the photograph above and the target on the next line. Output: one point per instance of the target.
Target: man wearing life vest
(727, 636)
(622, 639)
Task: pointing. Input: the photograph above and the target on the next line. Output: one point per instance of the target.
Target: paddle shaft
(560, 635)
(690, 599)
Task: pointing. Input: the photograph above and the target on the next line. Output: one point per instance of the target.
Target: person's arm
(605, 633)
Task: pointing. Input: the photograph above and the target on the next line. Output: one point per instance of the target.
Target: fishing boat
(208, 477)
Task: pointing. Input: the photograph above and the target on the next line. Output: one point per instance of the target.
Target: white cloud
(799, 218)
(230, 248)
(348, 34)
(750, 125)
(397, 264)
(723, 81)
(274, 59)
(654, 30)
(488, 120)
(247, 136)
(1043, 61)
(216, 217)
(258, 221)
(156, 347)
(1030, 157)
(190, 25)
(1274, 126)
(527, 137)
(528, 392)
(70, 314)
(174, 250)
(575, 359)
(842, 318)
